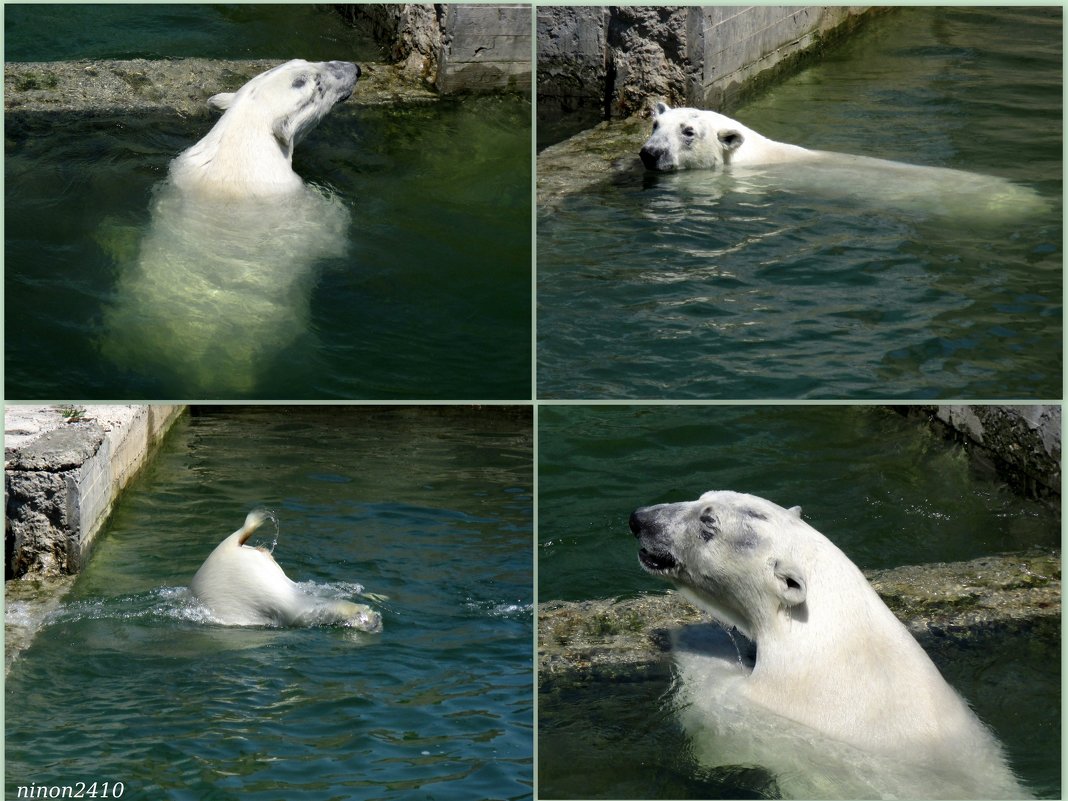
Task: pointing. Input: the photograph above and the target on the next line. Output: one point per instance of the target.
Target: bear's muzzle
(656, 158)
(645, 524)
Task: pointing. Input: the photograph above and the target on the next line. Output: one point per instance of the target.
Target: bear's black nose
(649, 157)
(636, 522)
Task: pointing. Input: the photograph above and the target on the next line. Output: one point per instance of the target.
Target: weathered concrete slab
(606, 152)
(64, 467)
(181, 86)
(572, 66)
(485, 48)
(456, 47)
(943, 605)
(614, 61)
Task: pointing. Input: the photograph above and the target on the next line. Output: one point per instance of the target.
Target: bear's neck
(809, 660)
(241, 161)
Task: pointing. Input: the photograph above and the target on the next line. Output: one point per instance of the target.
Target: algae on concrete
(942, 604)
(178, 85)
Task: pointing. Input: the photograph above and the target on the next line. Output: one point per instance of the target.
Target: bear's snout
(653, 158)
(639, 521)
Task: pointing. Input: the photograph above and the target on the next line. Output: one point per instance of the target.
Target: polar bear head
(690, 138)
(291, 98)
(741, 558)
(249, 152)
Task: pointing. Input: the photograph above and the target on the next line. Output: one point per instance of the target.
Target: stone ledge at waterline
(179, 85)
(64, 467)
(943, 605)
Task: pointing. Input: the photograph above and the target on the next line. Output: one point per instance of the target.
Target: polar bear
(695, 139)
(243, 586)
(840, 700)
(220, 286)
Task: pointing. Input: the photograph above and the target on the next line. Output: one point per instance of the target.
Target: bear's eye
(709, 525)
(688, 131)
(656, 125)
(299, 82)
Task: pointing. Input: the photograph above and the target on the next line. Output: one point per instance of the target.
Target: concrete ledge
(64, 467)
(943, 605)
(458, 47)
(181, 86)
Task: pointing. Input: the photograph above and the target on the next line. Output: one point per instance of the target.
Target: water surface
(429, 508)
(686, 286)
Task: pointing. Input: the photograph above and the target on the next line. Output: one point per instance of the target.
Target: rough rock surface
(178, 85)
(1022, 444)
(942, 604)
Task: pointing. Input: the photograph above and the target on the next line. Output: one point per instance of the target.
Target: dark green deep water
(676, 286)
(431, 508)
(431, 300)
(883, 488)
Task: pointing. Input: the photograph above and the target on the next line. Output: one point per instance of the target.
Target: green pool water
(430, 295)
(428, 511)
(686, 286)
(882, 487)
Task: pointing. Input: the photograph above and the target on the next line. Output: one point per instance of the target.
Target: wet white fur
(243, 586)
(249, 152)
(696, 139)
(841, 702)
(222, 281)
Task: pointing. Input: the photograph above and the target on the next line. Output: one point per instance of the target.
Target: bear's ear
(222, 100)
(661, 108)
(795, 511)
(790, 582)
(731, 140)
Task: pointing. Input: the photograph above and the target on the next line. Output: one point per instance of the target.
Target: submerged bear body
(221, 284)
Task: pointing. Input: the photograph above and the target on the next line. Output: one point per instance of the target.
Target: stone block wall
(63, 480)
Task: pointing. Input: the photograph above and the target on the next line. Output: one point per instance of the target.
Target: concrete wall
(611, 62)
(457, 47)
(1021, 443)
(62, 475)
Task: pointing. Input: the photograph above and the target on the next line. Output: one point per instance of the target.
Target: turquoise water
(689, 286)
(882, 487)
(430, 508)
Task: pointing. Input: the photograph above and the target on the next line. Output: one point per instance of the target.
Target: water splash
(271, 515)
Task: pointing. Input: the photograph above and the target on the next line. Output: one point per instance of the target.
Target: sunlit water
(880, 486)
(690, 285)
(423, 515)
(430, 298)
